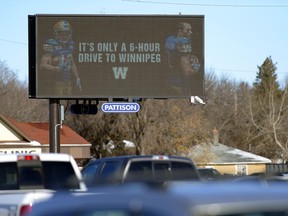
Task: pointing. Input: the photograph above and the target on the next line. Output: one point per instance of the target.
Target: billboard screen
(111, 56)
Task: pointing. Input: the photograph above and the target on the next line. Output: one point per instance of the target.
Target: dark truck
(135, 168)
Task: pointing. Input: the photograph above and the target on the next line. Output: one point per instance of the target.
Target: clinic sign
(120, 107)
(115, 56)
(20, 150)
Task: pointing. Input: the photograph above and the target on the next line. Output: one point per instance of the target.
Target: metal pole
(54, 123)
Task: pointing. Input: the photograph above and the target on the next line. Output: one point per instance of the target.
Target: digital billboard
(115, 56)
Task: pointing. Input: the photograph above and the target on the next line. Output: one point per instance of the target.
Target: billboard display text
(115, 56)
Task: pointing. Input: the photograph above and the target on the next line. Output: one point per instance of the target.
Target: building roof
(30, 131)
(226, 155)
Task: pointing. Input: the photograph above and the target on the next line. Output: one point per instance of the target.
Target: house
(27, 137)
(229, 160)
(226, 159)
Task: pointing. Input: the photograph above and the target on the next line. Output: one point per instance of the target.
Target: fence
(282, 168)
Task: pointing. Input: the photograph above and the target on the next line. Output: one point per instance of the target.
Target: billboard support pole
(54, 126)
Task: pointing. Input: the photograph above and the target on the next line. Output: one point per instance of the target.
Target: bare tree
(15, 101)
(268, 113)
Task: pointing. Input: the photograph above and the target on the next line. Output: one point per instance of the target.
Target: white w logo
(120, 72)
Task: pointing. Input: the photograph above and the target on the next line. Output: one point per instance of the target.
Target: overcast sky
(239, 35)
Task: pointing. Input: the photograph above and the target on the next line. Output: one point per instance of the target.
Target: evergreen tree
(266, 79)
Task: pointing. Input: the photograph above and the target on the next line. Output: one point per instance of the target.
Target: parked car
(218, 198)
(122, 200)
(135, 168)
(264, 178)
(209, 174)
(275, 175)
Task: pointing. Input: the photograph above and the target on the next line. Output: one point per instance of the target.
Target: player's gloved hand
(196, 66)
(195, 63)
(78, 84)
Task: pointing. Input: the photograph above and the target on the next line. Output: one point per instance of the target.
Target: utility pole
(54, 126)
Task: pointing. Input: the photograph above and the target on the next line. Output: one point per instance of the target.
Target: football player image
(182, 62)
(58, 60)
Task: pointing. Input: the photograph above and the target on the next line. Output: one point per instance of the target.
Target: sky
(239, 34)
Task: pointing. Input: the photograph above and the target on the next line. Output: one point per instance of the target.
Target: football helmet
(63, 31)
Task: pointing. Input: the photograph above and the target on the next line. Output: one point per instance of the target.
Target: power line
(242, 71)
(207, 5)
(14, 42)
(235, 70)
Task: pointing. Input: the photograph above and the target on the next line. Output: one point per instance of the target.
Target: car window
(183, 171)
(60, 175)
(110, 172)
(206, 173)
(216, 172)
(9, 176)
(89, 172)
(209, 174)
(36, 175)
(30, 176)
(162, 171)
(16, 176)
(140, 171)
(109, 168)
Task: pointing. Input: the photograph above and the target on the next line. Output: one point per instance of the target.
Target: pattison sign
(120, 107)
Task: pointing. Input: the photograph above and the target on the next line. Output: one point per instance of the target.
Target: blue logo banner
(120, 107)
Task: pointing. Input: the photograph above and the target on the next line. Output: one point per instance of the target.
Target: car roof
(155, 157)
